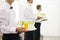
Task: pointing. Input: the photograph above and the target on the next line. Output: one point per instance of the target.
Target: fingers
(24, 30)
(38, 18)
(20, 30)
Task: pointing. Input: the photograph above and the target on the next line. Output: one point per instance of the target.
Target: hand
(20, 30)
(38, 18)
(44, 20)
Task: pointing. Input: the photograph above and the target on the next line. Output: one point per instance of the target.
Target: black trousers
(37, 32)
(29, 35)
(10, 37)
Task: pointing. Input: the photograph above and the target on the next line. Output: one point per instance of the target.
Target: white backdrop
(51, 8)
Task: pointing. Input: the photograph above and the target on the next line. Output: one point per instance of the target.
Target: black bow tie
(11, 7)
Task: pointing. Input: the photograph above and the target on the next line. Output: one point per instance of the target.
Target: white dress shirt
(29, 17)
(7, 19)
(28, 13)
(39, 13)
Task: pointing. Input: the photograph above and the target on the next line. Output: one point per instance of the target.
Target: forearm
(8, 29)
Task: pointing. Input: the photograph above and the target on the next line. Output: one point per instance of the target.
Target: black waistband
(11, 34)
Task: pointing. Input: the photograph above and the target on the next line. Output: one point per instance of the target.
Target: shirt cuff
(13, 30)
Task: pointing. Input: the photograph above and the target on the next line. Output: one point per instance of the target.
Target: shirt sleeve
(7, 29)
(4, 24)
(43, 17)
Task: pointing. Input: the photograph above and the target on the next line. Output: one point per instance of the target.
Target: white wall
(1, 2)
(51, 27)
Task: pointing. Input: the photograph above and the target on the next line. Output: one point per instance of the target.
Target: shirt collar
(29, 5)
(8, 4)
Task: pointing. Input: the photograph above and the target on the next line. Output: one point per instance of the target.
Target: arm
(10, 29)
(44, 20)
(41, 18)
(5, 27)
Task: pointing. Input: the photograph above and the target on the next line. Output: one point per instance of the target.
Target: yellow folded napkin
(40, 15)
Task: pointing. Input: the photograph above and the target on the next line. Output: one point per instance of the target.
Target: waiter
(38, 22)
(29, 16)
(8, 24)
